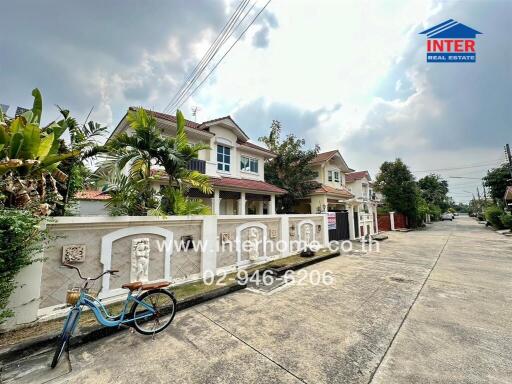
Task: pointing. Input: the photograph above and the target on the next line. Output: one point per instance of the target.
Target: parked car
(447, 216)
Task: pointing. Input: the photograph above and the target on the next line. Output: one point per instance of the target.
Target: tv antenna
(195, 109)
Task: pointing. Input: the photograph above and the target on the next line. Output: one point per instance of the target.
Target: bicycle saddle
(144, 287)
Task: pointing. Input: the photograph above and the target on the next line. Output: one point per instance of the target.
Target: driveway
(433, 306)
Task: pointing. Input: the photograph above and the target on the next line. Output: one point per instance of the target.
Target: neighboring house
(365, 201)
(508, 198)
(235, 165)
(332, 194)
(90, 203)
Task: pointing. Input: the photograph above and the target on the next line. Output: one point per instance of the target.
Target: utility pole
(509, 158)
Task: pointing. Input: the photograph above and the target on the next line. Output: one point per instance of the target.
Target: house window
(336, 176)
(248, 164)
(329, 175)
(223, 158)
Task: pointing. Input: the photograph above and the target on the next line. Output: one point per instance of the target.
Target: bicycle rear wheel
(63, 341)
(163, 309)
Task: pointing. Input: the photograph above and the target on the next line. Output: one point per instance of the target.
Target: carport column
(392, 220)
(209, 249)
(260, 207)
(285, 236)
(241, 204)
(351, 226)
(272, 205)
(216, 202)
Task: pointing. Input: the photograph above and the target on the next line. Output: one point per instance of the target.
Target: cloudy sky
(348, 75)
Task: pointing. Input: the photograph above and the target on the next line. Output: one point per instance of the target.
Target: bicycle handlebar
(111, 271)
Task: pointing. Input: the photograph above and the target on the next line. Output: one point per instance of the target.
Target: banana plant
(30, 156)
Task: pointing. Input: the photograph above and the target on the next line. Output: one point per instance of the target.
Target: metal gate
(356, 224)
(341, 232)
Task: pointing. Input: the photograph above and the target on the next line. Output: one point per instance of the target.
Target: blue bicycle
(153, 308)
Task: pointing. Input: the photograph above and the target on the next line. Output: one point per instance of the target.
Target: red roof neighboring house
(341, 192)
(92, 195)
(254, 185)
(353, 176)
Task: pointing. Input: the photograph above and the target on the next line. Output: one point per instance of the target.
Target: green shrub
(506, 220)
(492, 215)
(20, 241)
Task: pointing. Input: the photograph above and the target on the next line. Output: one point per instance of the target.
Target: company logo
(451, 42)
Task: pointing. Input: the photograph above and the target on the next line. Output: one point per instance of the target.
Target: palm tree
(147, 147)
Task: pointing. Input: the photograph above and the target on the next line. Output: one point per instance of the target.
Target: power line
(225, 33)
(481, 165)
(183, 99)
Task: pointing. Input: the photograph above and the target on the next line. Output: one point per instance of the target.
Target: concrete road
(433, 306)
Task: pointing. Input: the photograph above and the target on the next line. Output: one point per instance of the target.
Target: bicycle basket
(72, 296)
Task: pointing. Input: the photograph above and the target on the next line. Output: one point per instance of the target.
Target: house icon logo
(451, 42)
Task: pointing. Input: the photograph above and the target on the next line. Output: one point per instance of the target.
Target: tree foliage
(434, 190)
(497, 180)
(133, 193)
(290, 169)
(20, 241)
(396, 182)
(35, 161)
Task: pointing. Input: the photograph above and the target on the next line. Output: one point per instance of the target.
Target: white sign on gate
(331, 220)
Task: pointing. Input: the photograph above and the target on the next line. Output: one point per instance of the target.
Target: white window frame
(336, 177)
(250, 160)
(329, 176)
(222, 163)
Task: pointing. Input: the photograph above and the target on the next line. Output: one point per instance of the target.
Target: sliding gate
(341, 232)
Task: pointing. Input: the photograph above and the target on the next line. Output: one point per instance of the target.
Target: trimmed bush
(20, 240)
(492, 215)
(506, 220)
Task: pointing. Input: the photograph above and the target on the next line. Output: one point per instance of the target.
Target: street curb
(24, 349)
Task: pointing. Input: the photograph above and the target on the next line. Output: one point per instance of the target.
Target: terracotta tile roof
(353, 176)
(324, 156)
(91, 195)
(255, 185)
(341, 192)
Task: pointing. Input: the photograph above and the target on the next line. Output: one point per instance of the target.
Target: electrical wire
(184, 98)
(221, 38)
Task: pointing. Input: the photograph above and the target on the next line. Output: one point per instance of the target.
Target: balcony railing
(197, 165)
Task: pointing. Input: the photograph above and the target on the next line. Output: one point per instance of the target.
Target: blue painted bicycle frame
(101, 313)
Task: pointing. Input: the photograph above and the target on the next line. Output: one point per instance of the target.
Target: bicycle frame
(101, 313)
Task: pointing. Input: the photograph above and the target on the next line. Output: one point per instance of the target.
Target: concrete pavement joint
(250, 346)
(409, 310)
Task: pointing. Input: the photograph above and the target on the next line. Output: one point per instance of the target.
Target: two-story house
(332, 194)
(360, 185)
(235, 165)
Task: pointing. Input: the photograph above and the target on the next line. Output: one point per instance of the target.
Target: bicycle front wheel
(155, 311)
(63, 341)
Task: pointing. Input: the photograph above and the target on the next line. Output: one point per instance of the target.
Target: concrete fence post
(25, 299)
(325, 226)
(285, 235)
(392, 220)
(209, 250)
